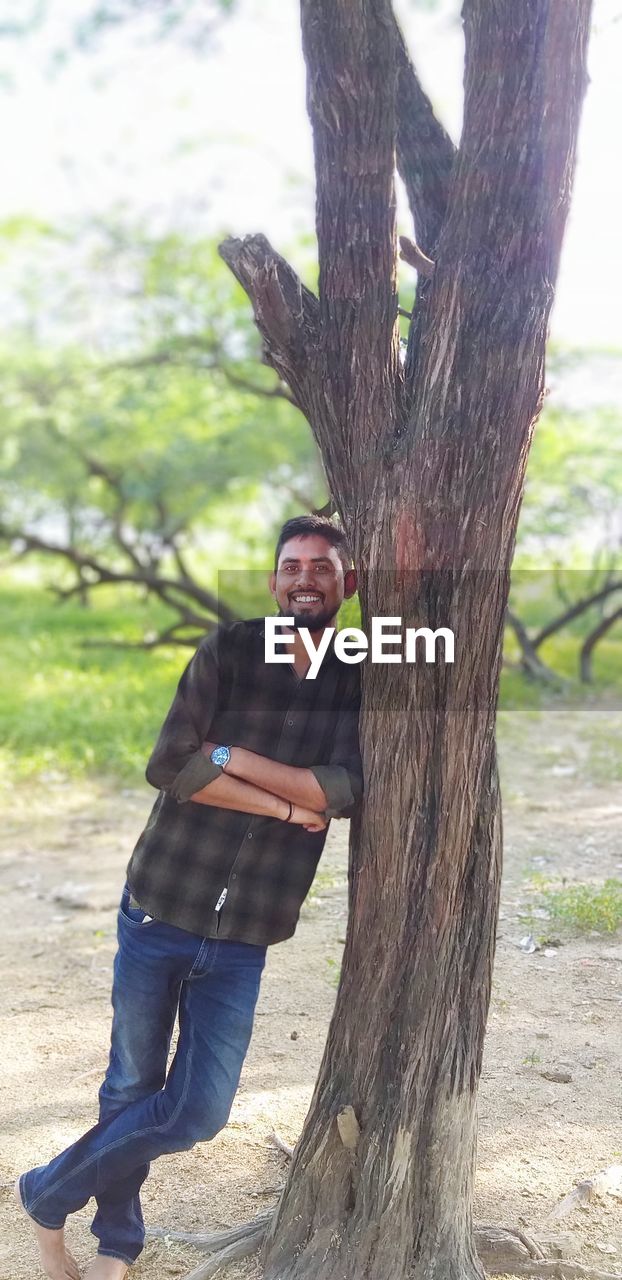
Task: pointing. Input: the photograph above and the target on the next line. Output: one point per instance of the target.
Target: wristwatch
(220, 756)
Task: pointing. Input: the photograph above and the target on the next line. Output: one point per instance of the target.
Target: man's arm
(180, 767)
(231, 793)
(177, 765)
(333, 787)
(285, 780)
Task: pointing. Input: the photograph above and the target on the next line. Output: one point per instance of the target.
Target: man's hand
(308, 819)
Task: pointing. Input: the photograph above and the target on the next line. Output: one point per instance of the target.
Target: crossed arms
(252, 783)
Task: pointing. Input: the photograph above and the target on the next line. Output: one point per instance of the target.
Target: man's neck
(301, 656)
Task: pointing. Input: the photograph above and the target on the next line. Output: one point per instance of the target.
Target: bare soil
(63, 852)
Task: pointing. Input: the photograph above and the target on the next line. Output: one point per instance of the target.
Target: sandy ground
(65, 843)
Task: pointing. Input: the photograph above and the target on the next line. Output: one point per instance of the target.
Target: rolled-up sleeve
(177, 764)
(341, 776)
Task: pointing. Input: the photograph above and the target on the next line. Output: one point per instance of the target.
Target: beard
(313, 621)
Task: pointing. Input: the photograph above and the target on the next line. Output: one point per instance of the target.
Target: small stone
(293, 1035)
(527, 944)
(558, 1077)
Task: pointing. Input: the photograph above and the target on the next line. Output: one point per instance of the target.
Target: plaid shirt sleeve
(341, 777)
(177, 764)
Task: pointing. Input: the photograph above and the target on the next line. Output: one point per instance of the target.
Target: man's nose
(306, 581)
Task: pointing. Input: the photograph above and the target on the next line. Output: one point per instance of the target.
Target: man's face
(309, 584)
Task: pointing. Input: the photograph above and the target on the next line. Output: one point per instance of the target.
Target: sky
(220, 139)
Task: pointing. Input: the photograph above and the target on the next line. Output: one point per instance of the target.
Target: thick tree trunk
(426, 464)
(404, 1051)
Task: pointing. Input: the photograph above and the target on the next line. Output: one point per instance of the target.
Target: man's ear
(349, 583)
(272, 584)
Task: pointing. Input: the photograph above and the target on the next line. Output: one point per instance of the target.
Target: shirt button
(290, 722)
(250, 835)
(234, 877)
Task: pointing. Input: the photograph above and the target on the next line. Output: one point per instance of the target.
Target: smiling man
(252, 762)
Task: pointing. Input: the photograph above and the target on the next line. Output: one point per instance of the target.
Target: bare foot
(104, 1268)
(56, 1260)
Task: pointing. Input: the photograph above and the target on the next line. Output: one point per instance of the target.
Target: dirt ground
(63, 851)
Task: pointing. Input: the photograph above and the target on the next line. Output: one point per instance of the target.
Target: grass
(584, 908)
(532, 1059)
(75, 710)
(74, 706)
(334, 967)
(576, 908)
(322, 881)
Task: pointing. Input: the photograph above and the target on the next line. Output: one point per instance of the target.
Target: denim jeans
(159, 970)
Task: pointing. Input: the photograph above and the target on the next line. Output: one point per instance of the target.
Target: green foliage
(169, 425)
(72, 705)
(586, 907)
(532, 1058)
(79, 710)
(571, 509)
(192, 21)
(334, 968)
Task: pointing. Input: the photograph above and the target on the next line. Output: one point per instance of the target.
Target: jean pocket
(131, 913)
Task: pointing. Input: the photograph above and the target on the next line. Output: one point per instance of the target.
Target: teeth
(306, 599)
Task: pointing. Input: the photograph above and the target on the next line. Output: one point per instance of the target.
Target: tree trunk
(426, 462)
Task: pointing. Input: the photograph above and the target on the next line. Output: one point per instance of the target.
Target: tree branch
(530, 662)
(590, 642)
(479, 363)
(96, 468)
(168, 589)
(425, 152)
(286, 312)
(351, 59)
(574, 611)
(196, 352)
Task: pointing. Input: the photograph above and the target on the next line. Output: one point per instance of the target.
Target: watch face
(220, 755)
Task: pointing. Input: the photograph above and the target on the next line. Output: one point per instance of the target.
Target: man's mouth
(305, 597)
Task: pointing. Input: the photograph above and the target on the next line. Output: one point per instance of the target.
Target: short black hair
(307, 526)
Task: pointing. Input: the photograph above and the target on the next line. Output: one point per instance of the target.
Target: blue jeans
(158, 971)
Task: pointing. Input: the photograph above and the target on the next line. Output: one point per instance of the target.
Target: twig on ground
(280, 1144)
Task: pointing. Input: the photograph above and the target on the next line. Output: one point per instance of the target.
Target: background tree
(426, 463)
(122, 461)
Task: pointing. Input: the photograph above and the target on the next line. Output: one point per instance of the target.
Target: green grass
(582, 908)
(334, 968)
(72, 706)
(323, 880)
(532, 1059)
(78, 710)
(574, 908)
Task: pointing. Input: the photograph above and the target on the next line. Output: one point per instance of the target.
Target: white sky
(160, 132)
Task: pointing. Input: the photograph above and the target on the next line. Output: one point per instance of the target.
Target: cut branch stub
(415, 257)
(349, 1129)
(286, 312)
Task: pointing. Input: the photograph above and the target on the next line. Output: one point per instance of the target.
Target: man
(251, 763)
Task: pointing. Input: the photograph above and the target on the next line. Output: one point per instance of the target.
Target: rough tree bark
(425, 460)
